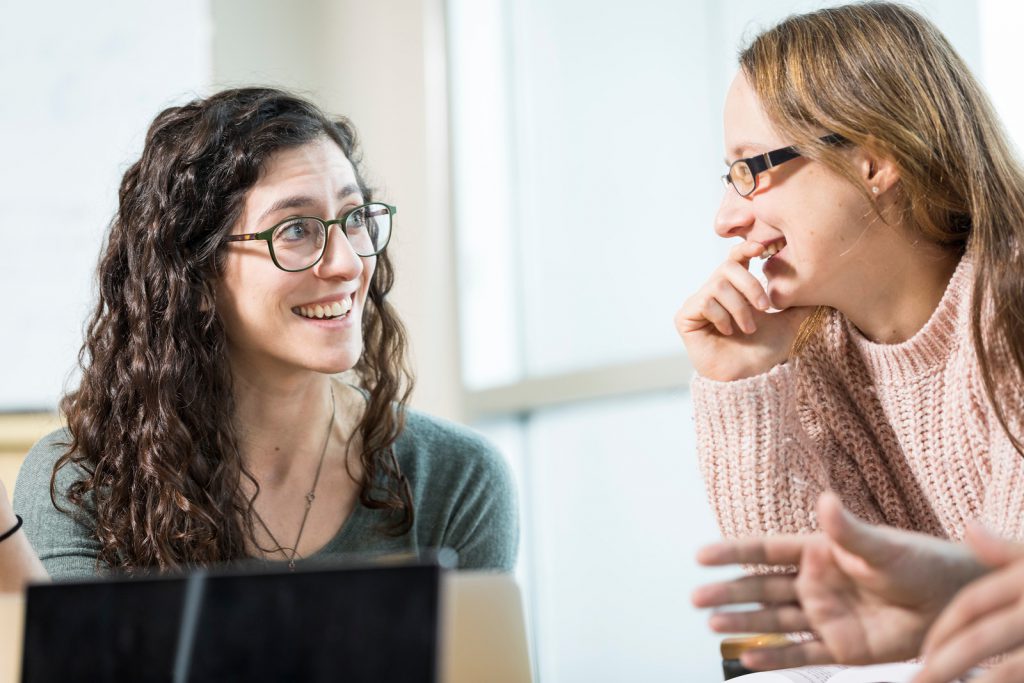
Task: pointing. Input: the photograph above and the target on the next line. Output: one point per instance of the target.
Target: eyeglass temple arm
(769, 159)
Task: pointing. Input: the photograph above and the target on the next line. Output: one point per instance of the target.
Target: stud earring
(875, 189)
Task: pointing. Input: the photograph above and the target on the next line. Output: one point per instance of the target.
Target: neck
(281, 422)
(901, 292)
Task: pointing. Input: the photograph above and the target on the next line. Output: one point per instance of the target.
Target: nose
(340, 259)
(735, 215)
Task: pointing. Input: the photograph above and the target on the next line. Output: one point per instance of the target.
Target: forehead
(315, 163)
(747, 128)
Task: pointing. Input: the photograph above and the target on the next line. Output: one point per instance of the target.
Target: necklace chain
(310, 497)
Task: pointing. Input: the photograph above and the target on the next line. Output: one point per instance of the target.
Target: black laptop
(320, 623)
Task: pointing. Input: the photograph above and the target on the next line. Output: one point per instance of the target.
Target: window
(580, 231)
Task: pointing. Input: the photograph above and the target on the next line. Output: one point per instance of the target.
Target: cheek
(369, 268)
(246, 294)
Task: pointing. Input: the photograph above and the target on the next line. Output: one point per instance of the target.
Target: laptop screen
(316, 624)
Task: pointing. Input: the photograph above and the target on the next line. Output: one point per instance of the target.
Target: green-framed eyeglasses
(299, 242)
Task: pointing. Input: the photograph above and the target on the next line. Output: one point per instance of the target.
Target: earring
(875, 189)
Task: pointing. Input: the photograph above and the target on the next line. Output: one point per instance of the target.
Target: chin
(782, 297)
(337, 364)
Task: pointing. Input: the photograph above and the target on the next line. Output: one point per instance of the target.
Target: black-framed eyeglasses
(742, 175)
(299, 242)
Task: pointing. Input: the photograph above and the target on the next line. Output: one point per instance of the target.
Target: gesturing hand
(868, 593)
(986, 618)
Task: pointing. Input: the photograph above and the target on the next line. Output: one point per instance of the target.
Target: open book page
(876, 673)
(805, 674)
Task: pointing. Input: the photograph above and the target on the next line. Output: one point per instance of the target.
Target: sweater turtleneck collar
(948, 326)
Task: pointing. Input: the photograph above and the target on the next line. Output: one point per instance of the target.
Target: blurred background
(524, 141)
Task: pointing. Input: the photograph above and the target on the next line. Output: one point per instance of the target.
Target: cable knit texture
(904, 433)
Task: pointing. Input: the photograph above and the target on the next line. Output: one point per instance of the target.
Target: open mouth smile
(773, 248)
(326, 310)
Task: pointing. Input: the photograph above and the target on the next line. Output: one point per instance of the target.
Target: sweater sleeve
(464, 493)
(1003, 504)
(64, 538)
(762, 471)
(484, 529)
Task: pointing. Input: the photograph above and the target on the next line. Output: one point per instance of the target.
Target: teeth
(772, 249)
(333, 310)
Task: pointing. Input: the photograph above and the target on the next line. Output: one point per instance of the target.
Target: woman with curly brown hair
(244, 270)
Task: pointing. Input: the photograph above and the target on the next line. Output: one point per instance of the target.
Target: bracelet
(13, 531)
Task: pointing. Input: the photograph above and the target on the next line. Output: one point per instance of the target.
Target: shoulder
(37, 468)
(32, 490)
(62, 533)
(440, 446)
(464, 491)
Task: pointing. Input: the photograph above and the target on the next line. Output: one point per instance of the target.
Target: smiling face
(818, 221)
(280, 322)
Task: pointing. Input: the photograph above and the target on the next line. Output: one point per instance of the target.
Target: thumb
(991, 549)
(869, 542)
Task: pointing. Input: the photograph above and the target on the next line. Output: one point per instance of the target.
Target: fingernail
(763, 303)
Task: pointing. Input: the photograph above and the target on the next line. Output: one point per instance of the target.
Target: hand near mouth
(726, 327)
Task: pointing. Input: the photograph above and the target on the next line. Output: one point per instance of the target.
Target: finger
(778, 588)
(743, 252)
(717, 315)
(869, 542)
(978, 599)
(990, 636)
(803, 654)
(1010, 670)
(733, 301)
(783, 619)
(991, 549)
(783, 550)
(817, 566)
(747, 285)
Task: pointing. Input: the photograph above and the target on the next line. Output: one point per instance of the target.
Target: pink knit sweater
(904, 433)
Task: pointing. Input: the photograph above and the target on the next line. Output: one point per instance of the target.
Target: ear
(876, 170)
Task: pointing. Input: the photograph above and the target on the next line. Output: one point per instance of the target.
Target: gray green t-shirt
(462, 494)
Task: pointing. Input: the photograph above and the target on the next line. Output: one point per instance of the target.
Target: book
(876, 673)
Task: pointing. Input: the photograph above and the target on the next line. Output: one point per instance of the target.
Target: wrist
(10, 531)
(7, 517)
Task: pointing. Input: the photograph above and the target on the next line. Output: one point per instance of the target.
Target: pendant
(291, 565)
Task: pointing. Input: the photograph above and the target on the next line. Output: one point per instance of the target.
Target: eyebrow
(299, 201)
(750, 148)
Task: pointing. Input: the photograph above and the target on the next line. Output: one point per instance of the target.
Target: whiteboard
(81, 83)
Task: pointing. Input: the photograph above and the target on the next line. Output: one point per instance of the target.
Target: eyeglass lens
(299, 243)
(741, 177)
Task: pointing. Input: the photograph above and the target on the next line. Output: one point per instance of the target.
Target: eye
(356, 220)
(296, 231)
(740, 173)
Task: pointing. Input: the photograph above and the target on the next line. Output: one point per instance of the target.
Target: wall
(382, 65)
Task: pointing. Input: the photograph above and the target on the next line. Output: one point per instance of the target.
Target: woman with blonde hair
(882, 360)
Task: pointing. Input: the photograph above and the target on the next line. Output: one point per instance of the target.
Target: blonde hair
(886, 79)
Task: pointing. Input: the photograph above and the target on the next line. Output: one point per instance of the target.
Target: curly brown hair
(151, 422)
